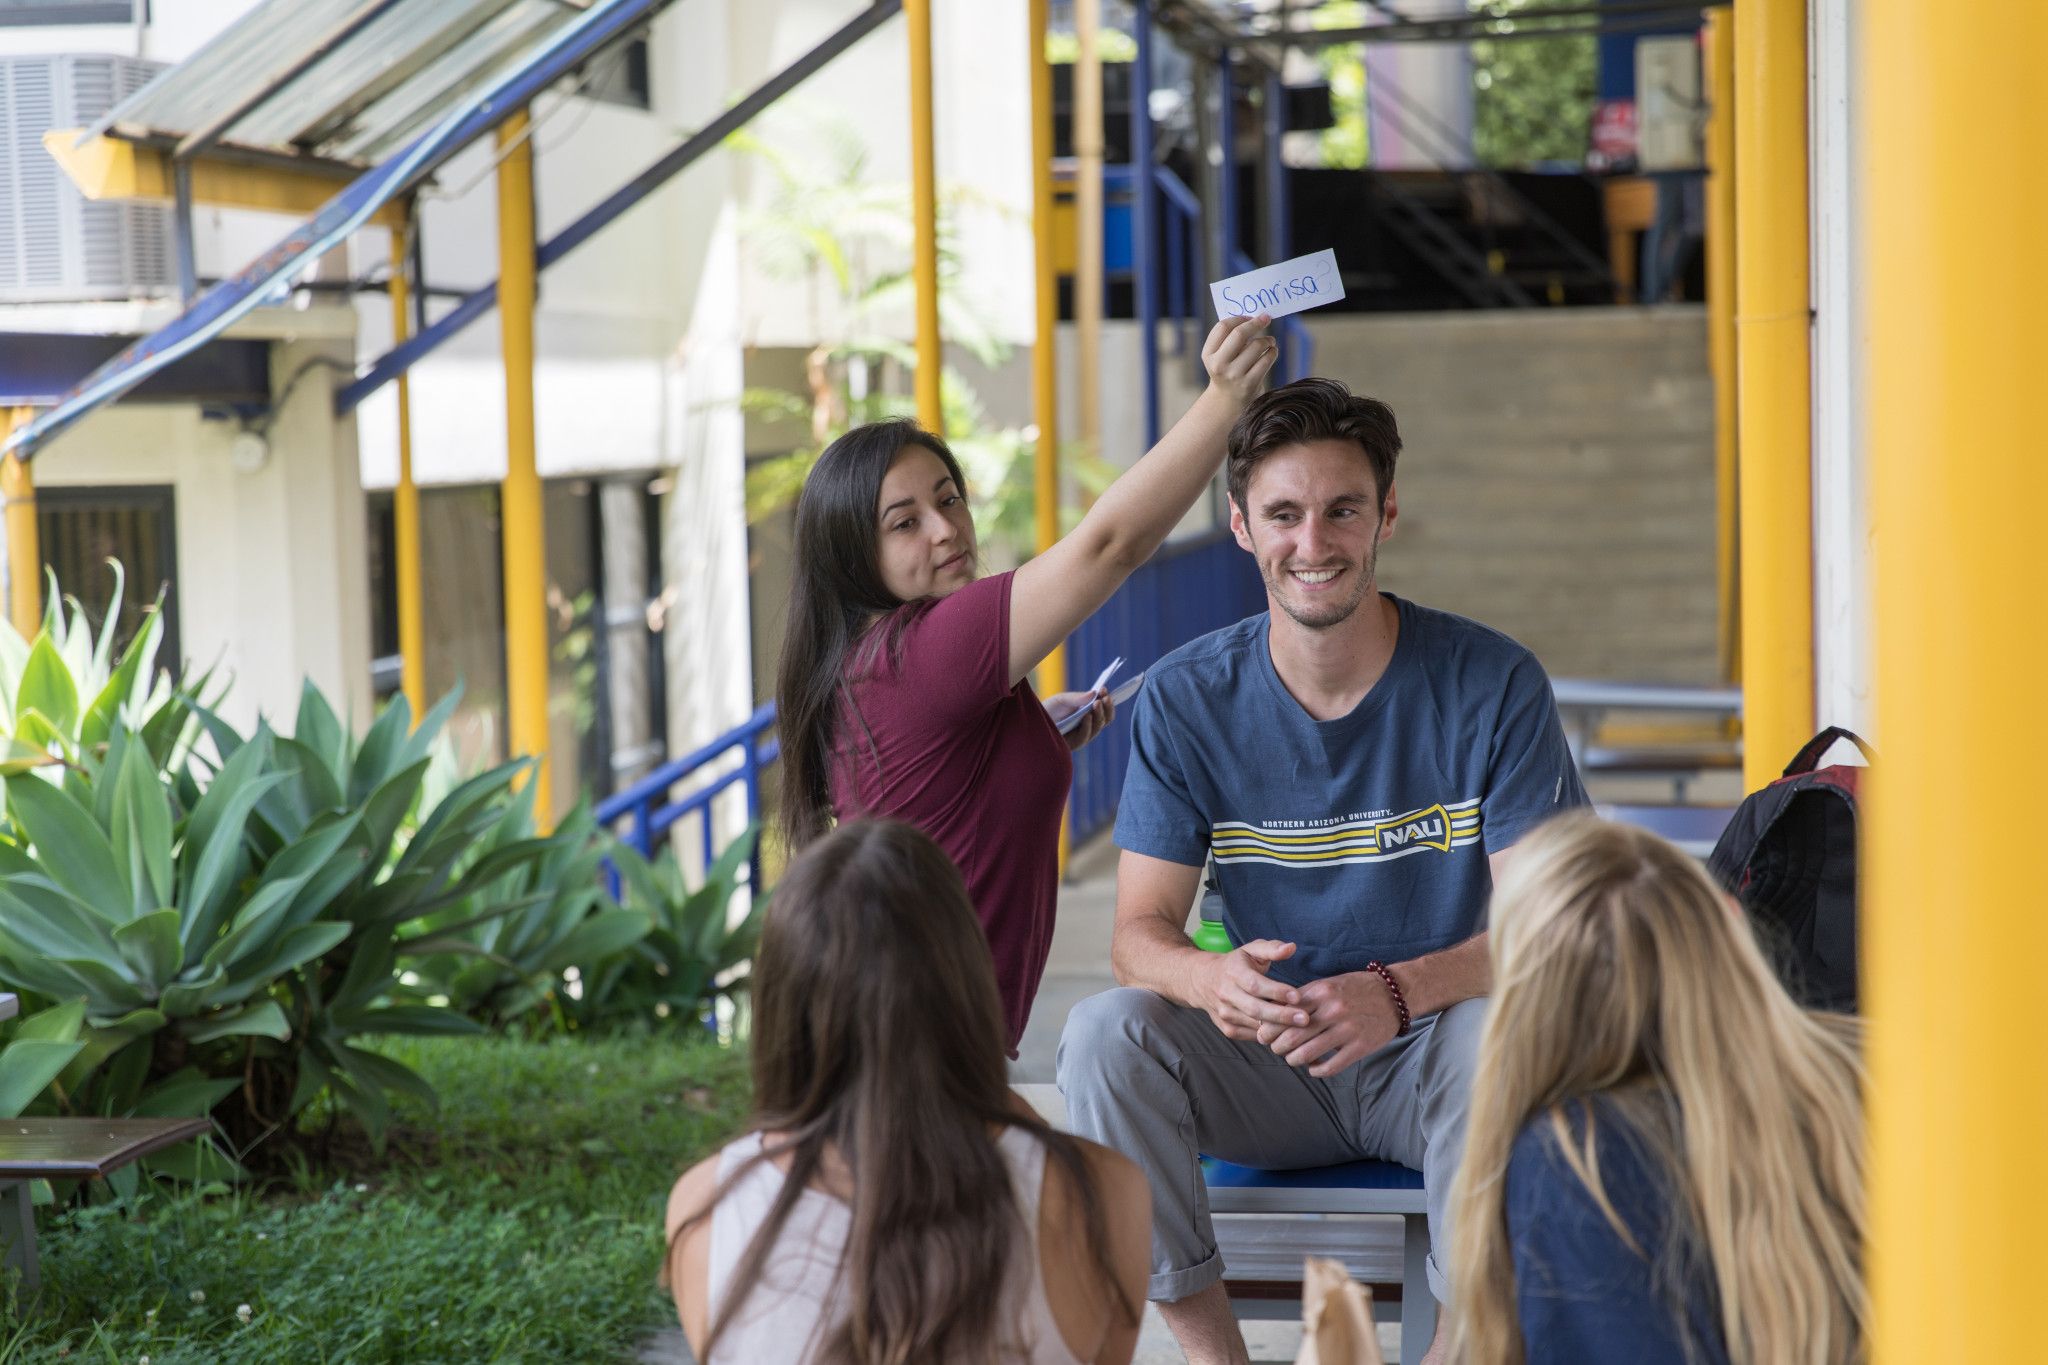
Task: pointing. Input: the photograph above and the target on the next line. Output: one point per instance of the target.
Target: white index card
(1276, 290)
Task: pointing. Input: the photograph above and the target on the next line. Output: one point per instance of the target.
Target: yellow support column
(24, 549)
(1052, 674)
(1774, 432)
(1721, 325)
(1088, 267)
(924, 207)
(520, 513)
(1952, 104)
(405, 503)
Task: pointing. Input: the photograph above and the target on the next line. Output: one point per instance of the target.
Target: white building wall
(271, 581)
(979, 85)
(1841, 513)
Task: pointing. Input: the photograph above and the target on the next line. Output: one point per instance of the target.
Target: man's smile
(1313, 577)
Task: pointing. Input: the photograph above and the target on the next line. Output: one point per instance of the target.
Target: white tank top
(780, 1320)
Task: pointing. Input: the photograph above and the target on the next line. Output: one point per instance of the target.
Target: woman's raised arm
(1059, 589)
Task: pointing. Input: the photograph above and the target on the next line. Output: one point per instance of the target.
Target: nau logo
(1428, 829)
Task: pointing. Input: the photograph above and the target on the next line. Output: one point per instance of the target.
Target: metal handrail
(647, 802)
(1593, 693)
(1581, 703)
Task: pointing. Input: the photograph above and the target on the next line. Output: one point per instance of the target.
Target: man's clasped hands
(1325, 1026)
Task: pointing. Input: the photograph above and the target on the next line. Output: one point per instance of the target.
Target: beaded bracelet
(1379, 969)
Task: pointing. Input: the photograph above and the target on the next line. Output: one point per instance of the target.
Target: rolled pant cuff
(1170, 1286)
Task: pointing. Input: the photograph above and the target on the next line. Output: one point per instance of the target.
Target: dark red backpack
(1789, 855)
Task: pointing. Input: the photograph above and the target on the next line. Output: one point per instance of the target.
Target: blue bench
(1356, 1187)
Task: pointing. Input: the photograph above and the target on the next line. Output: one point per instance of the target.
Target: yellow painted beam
(1953, 112)
(1774, 423)
(1721, 329)
(924, 206)
(405, 507)
(520, 513)
(1088, 271)
(24, 548)
(1052, 674)
(114, 168)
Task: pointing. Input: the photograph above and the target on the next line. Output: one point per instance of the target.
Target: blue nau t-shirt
(1358, 839)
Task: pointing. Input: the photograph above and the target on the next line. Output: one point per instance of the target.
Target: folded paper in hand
(1120, 694)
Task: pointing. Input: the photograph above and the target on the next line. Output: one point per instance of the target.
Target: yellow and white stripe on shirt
(1439, 828)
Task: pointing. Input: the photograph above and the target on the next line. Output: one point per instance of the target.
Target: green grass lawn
(522, 1221)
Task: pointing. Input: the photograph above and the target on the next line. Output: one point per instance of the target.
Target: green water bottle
(1212, 937)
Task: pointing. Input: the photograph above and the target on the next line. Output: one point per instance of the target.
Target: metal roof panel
(240, 59)
(500, 43)
(392, 48)
(388, 68)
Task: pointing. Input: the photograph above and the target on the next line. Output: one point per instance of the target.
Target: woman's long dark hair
(878, 1032)
(835, 591)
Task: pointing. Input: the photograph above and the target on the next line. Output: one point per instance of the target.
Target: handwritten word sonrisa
(1271, 297)
(1284, 287)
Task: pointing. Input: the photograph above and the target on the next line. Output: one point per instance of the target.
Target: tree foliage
(1532, 98)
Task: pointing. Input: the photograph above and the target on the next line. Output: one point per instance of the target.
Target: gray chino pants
(1157, 1082)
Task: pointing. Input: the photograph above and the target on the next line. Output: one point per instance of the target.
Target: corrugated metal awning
(346, 81)
(477, 99)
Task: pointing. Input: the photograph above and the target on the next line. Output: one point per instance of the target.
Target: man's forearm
(1439, 980)
(1148, 951)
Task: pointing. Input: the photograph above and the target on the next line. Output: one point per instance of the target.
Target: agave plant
(62, 692)
(233, 934)
(690, 955)
(503, 967)
(41, 1046)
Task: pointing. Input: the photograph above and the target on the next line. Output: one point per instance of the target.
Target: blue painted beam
(38, 368)
(1226, 136)
(1279, 232)
(396, 361)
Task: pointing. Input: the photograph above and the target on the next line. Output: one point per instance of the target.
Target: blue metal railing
(653, 808)
(1191, 587)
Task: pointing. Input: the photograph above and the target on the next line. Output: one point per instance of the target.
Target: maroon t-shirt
(949, 746)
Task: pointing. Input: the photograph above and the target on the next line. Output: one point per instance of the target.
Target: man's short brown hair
(1311, 410)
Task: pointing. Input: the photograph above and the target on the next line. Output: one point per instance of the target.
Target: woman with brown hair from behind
(892, 1203)
(1664, 1160)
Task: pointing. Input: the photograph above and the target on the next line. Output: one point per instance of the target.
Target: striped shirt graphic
(1438, 828)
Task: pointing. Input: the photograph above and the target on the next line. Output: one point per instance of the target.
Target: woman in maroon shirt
(903, 688)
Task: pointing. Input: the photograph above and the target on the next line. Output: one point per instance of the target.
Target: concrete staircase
(1558, 477)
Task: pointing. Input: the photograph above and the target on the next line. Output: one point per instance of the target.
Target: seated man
(1357, 766)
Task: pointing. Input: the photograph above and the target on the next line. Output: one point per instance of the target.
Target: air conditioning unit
(55, 244)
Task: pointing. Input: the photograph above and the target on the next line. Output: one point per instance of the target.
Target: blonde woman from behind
(1665, 1154)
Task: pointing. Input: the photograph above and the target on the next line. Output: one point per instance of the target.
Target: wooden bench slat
(82, 1148)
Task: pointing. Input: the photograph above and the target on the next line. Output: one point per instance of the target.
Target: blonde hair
(1620, 970)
